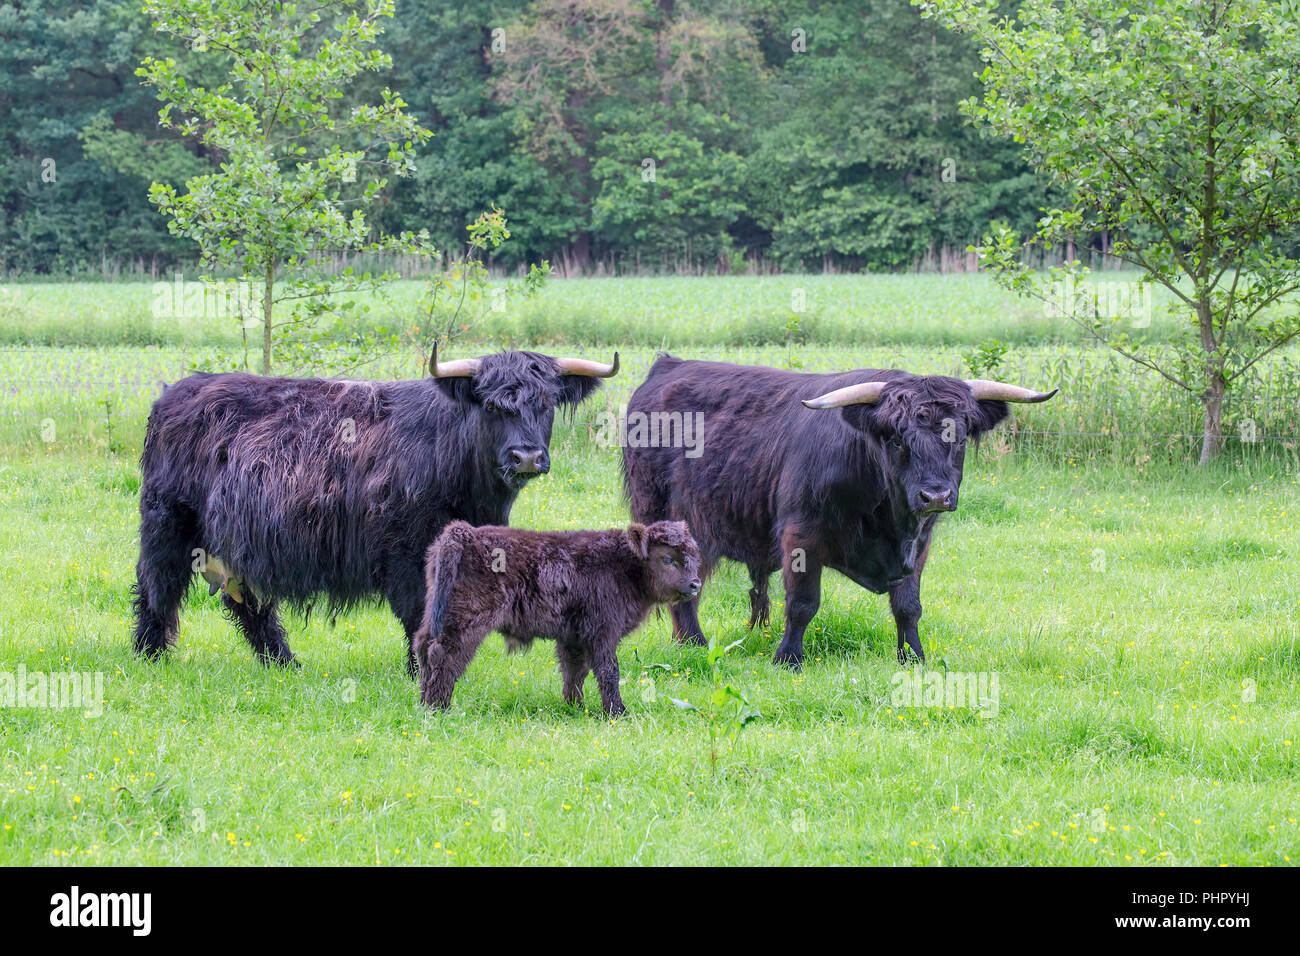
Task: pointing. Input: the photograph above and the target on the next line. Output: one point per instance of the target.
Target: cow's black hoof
(699, 640)
(792, 661)
(759, 608)
(281, 660)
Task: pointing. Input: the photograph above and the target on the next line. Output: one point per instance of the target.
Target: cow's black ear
(638, 540)
(574, 389)
(988, 415)
(865, 418)
(458, 388)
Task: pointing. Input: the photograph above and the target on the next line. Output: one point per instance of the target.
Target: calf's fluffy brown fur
(585, 590)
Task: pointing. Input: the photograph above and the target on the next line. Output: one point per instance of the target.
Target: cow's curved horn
(865, 393)
(461, 368)
(983, 388)
(576, 366)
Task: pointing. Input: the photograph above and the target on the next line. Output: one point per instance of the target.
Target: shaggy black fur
(778, 485)
(307, 487)
(585, 590)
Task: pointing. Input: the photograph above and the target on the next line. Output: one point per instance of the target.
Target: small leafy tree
(296, 171)
(1170, 124)
(462, 290)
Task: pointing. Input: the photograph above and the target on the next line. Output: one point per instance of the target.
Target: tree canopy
(1170, 126)
(622, 134)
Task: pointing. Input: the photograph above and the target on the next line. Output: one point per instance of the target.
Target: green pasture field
(675, 312)
(1137, 613)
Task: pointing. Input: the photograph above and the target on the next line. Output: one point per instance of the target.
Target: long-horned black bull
(804, 472)
(284, 490)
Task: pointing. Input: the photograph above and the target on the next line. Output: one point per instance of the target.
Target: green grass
(1138, 613)
(1121, 692)
(85, 400)
(678, 312)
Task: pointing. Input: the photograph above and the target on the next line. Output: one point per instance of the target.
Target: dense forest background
(620, 136)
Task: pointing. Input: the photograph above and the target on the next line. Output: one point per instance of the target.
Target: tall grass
(1108, 409)
(90, 356)
(677, 312)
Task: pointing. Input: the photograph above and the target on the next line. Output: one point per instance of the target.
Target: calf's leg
(604, 659)
(575, 663)
(443, 659)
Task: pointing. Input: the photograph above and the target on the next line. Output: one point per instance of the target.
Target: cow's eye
(668, 560)
(490, 407)
(895, 443)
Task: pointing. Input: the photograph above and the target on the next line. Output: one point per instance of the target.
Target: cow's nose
(695, 586)
(937, 500)
(531, 461)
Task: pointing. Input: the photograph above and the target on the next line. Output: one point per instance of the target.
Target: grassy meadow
(836, 310)
(1137, 613)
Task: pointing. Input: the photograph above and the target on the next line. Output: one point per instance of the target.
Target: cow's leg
(760, 607)
(905, 602)
(163, 572)
(575, 663)
(604, 663)
(443, 659)
(801, 572)
(686, 622)
(686, 614)
(259, 622)
(406, 596)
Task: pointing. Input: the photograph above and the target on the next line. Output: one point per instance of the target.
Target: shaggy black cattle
(281, 489)
(803, 472)
(585, 590)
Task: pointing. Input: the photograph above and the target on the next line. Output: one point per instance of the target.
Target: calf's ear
(988, 414)
(638, 540)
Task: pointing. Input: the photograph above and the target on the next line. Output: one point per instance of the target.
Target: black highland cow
(281, 489)
(585, 590)
(805, 471)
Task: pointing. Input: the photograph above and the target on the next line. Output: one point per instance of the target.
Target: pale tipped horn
(983, 388)
(576, 366)
(866, 393)
(461, 368)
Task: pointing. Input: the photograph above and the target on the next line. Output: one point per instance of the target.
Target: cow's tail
(446, 553)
